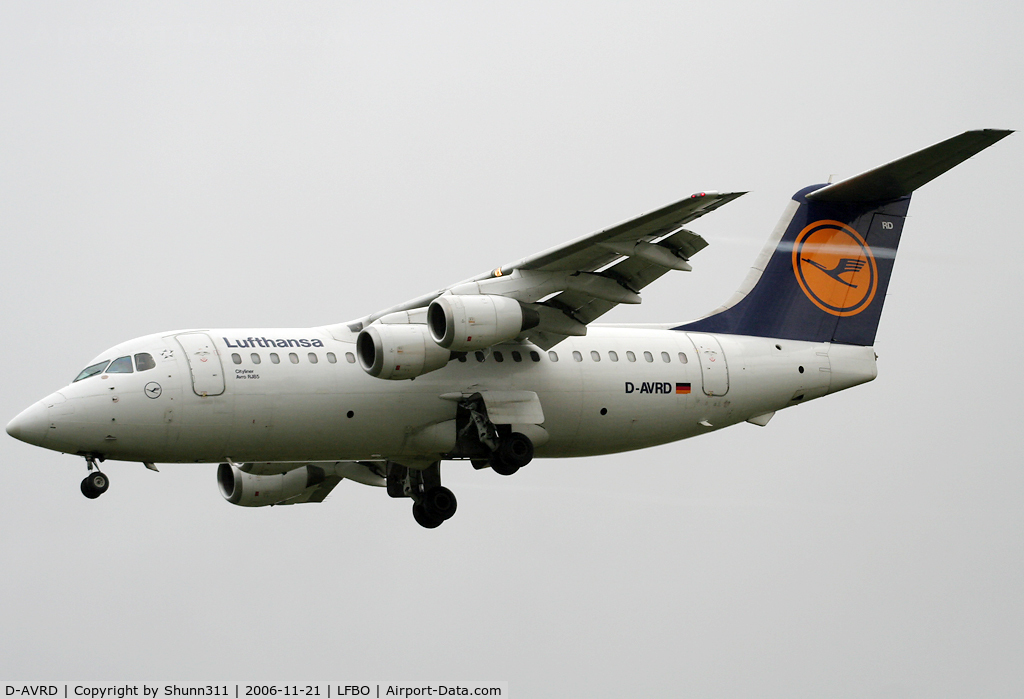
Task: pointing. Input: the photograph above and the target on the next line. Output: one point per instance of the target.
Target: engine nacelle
(467, 323)
(252, 490)
(399, 351)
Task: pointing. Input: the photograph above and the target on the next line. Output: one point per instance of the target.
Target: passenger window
(577, 356)
(293, 358)
(498, 357)
(665, 357)
(313, 359)
(121, 365)
(516, 357)
(648, 357)
(350, 358)
(682, 358)
(92, 370)
(236, 357)
(613, 356)
(630, 356)
(553, 356)
(332, 358)
(595, 355)
(534, 356)
(144, 362)
(480, 356)
(255, 358)
(274, 358)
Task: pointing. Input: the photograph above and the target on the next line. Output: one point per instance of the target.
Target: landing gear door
(513, 407)
(713, 368)
(204, 363)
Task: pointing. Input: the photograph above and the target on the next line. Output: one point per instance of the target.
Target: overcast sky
(178, 165)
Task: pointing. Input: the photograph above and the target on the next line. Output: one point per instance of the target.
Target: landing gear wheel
(94, 485)
(87, 490)
(423, 518)
(439, 503)
(514, 452)
(99, 482)
(500, 467)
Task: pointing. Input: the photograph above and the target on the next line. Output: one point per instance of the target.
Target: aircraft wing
(365, 472)
(575, 283)
(316, 494)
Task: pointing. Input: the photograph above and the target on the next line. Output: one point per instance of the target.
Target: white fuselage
(300, 410)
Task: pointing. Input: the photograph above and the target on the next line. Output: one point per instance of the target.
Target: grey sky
(251, 164)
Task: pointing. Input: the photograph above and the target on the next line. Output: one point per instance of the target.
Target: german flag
(682, 388)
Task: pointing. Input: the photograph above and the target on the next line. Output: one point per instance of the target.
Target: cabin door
(713, 368)
(203, 362)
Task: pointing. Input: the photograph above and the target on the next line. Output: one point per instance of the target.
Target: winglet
(901, 177)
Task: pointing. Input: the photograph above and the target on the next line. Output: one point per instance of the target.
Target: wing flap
(634, 273)
(586, 253)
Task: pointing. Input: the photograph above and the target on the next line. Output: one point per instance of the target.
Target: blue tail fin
(824, 272)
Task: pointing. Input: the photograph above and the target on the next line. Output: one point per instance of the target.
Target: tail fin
(824, 272)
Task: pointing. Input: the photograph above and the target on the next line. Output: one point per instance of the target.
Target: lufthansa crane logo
(835, 268)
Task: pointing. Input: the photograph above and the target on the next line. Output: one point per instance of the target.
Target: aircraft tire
(500, 467)
(424, 518)
(89, 490)
(516, 450)
(99, 482)
(440, 503)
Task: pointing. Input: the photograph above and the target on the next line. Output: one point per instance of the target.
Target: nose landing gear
(96, 483)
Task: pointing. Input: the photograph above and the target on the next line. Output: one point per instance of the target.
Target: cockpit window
(121, 365)
(144, 361)
(92, 370)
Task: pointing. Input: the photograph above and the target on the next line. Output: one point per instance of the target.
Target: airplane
(508, 365)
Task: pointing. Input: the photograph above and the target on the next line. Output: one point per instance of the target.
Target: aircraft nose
(31, 424)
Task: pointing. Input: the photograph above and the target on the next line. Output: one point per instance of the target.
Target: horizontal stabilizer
(901, 177)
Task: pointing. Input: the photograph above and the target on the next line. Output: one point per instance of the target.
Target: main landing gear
(432, 502)
(96, 483)
(478, 439)
(506, 451)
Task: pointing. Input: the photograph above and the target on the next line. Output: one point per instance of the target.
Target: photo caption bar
(251, 690)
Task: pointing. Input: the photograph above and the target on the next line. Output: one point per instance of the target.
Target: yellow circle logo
(835, 268)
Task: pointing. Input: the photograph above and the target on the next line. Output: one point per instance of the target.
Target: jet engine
(399, 351)
(467, 323)
(251, 490)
